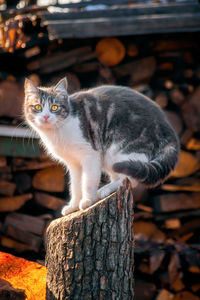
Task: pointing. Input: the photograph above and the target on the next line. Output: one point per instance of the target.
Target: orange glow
(24, 274)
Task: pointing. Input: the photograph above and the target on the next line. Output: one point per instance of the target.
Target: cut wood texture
(110, 51)
(13, 203)
(49, 201)
(50, 179)
(90, 252)
(187, 165)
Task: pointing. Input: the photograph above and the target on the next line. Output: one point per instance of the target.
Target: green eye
(54, 107)
(38, 107)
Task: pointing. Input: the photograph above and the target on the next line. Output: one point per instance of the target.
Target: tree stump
(90, 252)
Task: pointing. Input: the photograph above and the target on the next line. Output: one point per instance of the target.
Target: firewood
(29, 223)
(90, 252)
(172, 224)
(144, 207)
(186, 166)
(132, 50)
(162, 100)
(27, 165)
(3, 161)
(177, 97)
(7, 291)
(149, 230)
(165, 295)
(175, 120)
(61, 60)
(13, 203)
(51, 179)
(185, 295)
(34, 242)
(195, 287)
(7, 188)
(22, 181)
(174, 202)
(174, 268)
(191, 111)
(49, 201)
(86, 67)
(155, 260)
(194, 269)
(144, 290)
(186, 136)
(193, 144)
(147, 65)
(11, 99)
(178, 284)
(110, 51)
(172, 45)
(177, 188)
(13, 244)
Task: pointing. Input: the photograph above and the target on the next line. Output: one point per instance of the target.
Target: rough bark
(90, 252)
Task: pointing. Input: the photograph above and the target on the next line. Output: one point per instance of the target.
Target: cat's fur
(109, 128)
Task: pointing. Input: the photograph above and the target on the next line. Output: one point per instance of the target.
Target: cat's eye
(54, 107)
(38, 107)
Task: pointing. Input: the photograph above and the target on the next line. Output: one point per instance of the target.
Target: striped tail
(150, 173)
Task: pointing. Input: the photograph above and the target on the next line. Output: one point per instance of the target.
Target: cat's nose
(46, 117)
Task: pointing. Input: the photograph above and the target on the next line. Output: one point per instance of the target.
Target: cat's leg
(91, 174)
(106, 190)
(75, 172)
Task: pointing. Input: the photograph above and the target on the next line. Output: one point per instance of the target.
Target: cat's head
(46, 108)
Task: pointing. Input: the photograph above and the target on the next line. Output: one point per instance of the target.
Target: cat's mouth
(45, 124)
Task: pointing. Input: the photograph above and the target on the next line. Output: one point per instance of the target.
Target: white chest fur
(66, 143)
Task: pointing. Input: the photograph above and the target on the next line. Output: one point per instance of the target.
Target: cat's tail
(150, 173)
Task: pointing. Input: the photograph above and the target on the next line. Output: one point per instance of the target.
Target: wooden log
(110, 51)
(90, 252)
(49, 201)
(33, 241)
(61, 60)
(11, 99)
(141, 70)
(50, 179)
(191, 111)
(31, 224)
(14, 202)
(186, 166)
(174, 202)
(165, 295)
(7, 188)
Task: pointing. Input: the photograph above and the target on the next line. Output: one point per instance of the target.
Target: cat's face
(46, 108)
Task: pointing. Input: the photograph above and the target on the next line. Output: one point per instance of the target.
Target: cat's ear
(29, 87)
(61, 87)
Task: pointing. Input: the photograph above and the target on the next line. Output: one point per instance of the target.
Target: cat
(108, 128)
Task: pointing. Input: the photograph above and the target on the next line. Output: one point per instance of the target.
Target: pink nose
(46, 117)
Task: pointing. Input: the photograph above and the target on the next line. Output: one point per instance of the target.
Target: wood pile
(167, 219)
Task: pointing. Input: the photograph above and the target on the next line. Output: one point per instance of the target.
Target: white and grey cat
(109, 128)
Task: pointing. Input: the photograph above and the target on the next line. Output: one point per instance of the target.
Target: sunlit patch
(23, 274)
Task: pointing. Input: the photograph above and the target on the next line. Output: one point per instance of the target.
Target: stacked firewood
(33, 190)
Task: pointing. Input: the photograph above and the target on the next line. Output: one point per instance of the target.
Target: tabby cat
(108, 128)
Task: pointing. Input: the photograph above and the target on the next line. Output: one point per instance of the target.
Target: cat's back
(117, 99)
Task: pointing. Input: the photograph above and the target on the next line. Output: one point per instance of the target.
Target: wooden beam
(132, 25)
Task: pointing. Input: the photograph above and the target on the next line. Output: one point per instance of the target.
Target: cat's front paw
(68, 209)
(85, 203)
